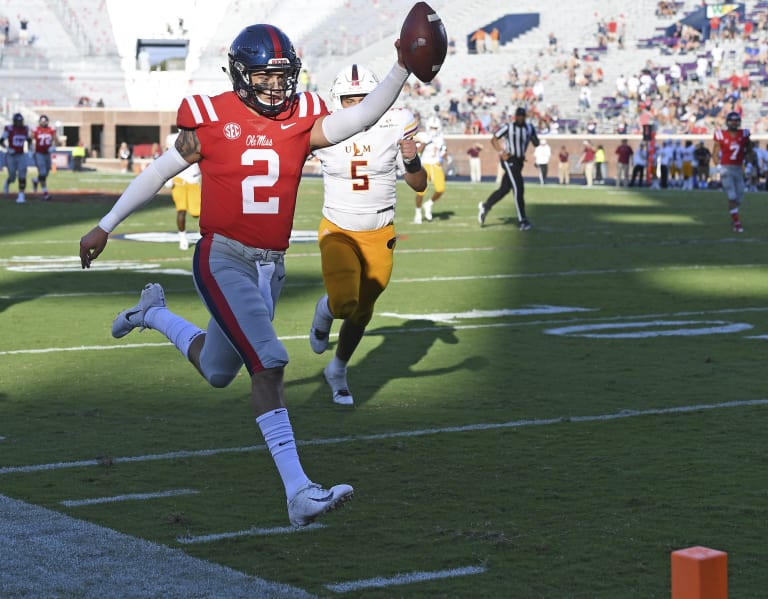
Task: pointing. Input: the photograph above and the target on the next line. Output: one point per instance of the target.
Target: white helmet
(434, 122)
(354, 80)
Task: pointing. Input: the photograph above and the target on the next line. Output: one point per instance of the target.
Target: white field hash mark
(128, 497)
(378, 582)
(628, 413)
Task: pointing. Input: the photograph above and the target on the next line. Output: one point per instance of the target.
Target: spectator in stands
(551, 44)
(478, 39)
(452, 46)
(5, 26)
(624, 156)
(23, 31)
(493, 40)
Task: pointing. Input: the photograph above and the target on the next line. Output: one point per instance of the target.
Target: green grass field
(538, 415)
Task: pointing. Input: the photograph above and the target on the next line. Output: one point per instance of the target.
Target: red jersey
(251, 165)
(733, 146)
(16, 137)
(43, 137)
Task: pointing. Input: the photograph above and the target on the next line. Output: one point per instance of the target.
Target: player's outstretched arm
(342, 124)
(140, 191)
(91, 245)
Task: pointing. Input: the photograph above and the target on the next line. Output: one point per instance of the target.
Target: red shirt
(16, 137)
(624, 152)
(43, 137)
(733, 145)
(251, 165)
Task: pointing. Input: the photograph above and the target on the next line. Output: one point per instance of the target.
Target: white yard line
(250, 532)
(393, 435)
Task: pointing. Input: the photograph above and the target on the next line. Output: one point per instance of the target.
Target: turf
(562, 451)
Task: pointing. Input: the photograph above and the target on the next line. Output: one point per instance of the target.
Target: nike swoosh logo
(288, 126)
(279, 278)
(129, 314)
(325, 499)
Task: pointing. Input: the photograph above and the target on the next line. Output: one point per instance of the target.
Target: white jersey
(360, 173)
(433, 147)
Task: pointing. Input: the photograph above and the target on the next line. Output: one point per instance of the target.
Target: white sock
(179, 331)
(324, 310)
(278, 435)
(338, 365)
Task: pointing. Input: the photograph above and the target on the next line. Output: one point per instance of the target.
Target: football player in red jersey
(728, 152)
(251, 144)
(45, 140)
(16, 138)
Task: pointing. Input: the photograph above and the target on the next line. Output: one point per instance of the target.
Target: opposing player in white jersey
(433, 151)
(357, 231)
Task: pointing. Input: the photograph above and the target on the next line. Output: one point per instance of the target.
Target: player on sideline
(251, 144)
(45, 139)
(15, 137)
(357, 232)
(728, 151)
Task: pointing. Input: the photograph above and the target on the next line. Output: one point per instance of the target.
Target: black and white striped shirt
(517, 137)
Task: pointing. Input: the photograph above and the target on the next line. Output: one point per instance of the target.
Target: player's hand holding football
(91, 245)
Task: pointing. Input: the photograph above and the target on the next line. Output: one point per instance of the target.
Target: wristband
(413, 165)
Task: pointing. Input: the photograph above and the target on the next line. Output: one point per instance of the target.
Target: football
(423, 42)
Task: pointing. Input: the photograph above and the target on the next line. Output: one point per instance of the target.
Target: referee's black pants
(511, 181)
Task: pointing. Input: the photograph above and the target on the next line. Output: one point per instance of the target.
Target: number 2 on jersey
(250, 205)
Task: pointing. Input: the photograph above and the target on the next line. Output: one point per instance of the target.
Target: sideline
(48, 554)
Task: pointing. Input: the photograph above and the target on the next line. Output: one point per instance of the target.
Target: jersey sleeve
(410, 124)
(194, 111)
(501, 131)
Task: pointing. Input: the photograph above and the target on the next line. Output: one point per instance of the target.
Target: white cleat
(152, 296)
(183, 240)
(338, 384)
(417, 217)
(427, 206)
(21, 199)
(313, 501)
(321, 326)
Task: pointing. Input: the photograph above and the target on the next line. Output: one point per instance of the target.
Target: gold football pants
(356, 267)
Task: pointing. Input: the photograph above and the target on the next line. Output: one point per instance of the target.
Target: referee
(511, 141)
